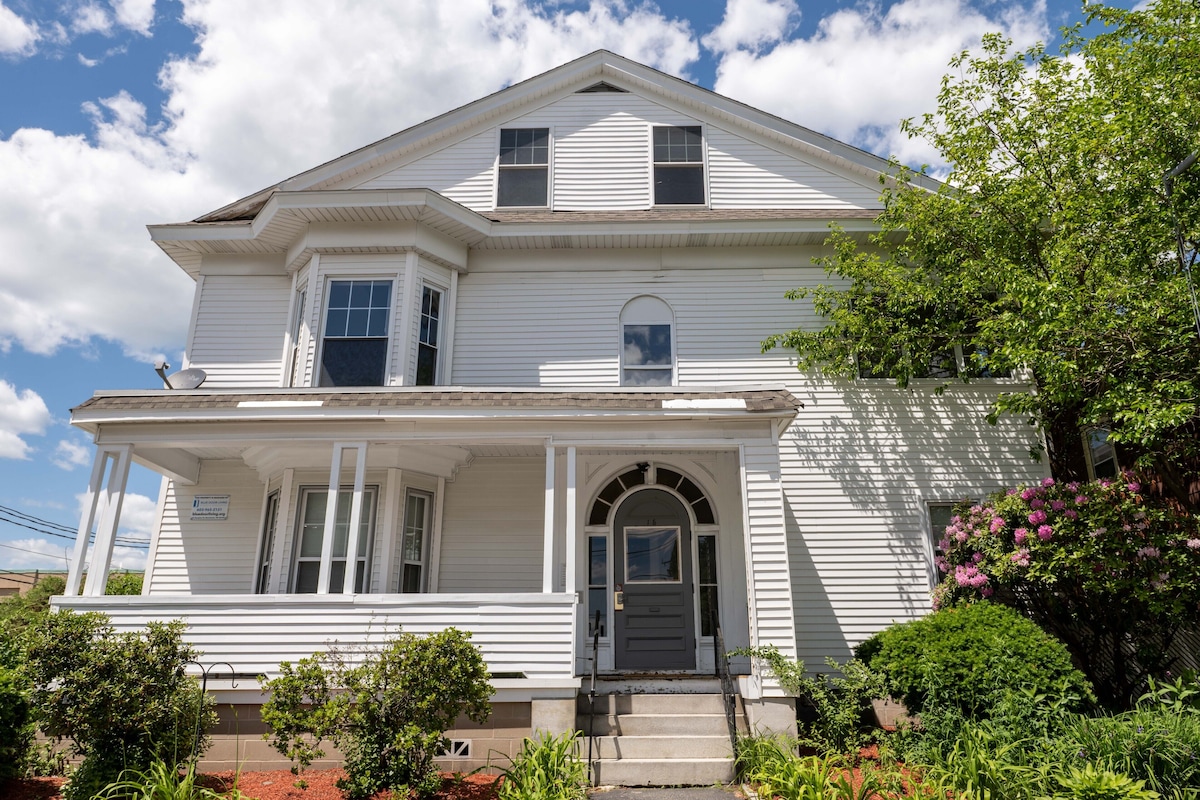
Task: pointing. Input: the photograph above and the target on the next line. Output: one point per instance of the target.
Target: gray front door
(652, 562)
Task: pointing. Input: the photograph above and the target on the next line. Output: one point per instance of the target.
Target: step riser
(654, 704)
(661, 747)
(663, 773)
(657, 725)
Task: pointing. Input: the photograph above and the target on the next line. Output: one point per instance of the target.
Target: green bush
(977, 659)
(839, 703)
(546, 768)
(1112, 572)
(161, 781)
(123, 699)
(771, 764)
(16, 729)
(388, 714)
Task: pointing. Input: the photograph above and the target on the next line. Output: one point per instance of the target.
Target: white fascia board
(678, 227)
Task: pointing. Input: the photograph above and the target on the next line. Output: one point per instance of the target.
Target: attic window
(597, 88)
(678, 165)
(524, 167)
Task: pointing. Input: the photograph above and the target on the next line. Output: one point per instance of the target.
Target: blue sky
(119, 113)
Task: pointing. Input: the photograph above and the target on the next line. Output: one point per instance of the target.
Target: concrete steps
(658, 739)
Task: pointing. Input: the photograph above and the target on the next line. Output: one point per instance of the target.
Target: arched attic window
(687, 488)
(647, 343)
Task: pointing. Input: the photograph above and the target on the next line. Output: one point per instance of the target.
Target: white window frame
(426, 540)
(370, 510)
(703, 163)
(1089, 453)
(636, 319)
(440, 344)
(266, 543)
(548, 205)
(933, 535)
(299, 306)
(329, 281)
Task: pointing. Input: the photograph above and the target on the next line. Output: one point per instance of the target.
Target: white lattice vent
(458, 748)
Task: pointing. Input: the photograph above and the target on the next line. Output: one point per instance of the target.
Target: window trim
(266, 543)
(702, 163)
(932, 537)
(1089, 455)
(329, 281)
(549, 204)
(295, 355)
(370, 508)
(440, 346)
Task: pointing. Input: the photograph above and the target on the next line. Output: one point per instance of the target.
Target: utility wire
(35, 552)
(38, 520)
(124, 541)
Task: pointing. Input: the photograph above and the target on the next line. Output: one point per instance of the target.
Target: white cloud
(70, 454)
(274, 90)
(751, 24)
(21, 413)
(865, 69)
(17, 36)
(87, 62)
(90, 17)
(137, 15)
(36, 553)
(138, 513)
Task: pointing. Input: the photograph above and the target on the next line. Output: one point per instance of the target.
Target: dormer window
(429, 337)
(678, 165)
(647, 344)
(354, 347)
(524, 171)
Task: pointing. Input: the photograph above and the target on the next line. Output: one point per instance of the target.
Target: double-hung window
(313, 503)
(940, 515)
(267, 545)
(429, 337)
(647, 349)
(678, 165)
(523, 177)
(414, 552)
(354, 349)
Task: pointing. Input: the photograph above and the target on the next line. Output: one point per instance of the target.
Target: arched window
(647, 343)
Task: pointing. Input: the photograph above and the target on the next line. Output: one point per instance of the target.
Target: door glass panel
(652, 554)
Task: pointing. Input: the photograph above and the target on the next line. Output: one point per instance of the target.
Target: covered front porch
(521, 516)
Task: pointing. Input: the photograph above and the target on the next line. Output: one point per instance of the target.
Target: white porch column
(548, 535)
(572, 521)
(92, 504)
(386, 528)
(106, 533)
(335, 485)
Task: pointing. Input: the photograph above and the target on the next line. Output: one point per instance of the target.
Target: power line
(35, 552)
(123, 541)
(38, 520)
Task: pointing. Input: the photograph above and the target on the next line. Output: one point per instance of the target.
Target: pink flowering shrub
(1112, 572)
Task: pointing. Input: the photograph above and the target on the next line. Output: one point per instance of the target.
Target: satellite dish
(184, 379)
(187, 378)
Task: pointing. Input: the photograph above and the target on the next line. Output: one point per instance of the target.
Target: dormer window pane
(523, 177)
(678, 165)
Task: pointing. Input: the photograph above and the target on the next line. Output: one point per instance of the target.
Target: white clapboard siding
(464, 172)
(525, 634)
(746, 174)
(209, 556)
(239, 333)
(492, 527)
(770, 581)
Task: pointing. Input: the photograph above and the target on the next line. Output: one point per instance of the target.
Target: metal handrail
(592, 697)
(721, 667)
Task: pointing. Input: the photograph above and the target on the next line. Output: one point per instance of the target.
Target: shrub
(546, 768)
(1110, 571)
(16, 730)
(390, 720)
(975, 659)
(123, 699)
(771, 764)
(839, 703)
(20, 611)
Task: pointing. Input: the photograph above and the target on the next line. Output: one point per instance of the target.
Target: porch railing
(526, 637)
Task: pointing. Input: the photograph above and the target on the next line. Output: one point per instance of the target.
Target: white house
(520, 345)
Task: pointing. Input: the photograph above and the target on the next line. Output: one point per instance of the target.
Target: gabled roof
(600, 66)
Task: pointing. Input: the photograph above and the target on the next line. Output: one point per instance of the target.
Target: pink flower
(1011, 492)
(1037, 517)
(1193, 544)
(1021, 557)
(1073, 486)
(1134, 487)
(998, 524)
(1071, 513)
(1036, 503)
(1058, 505)
(1047, 482)
(1148, 552)
(977, 557)
(1029, 494)
(1099, 532)
(1080, 499)
(1045, 532)
(942, 564)
(1019, 535)
(1161, 580)
(961, 536)
(969, 576)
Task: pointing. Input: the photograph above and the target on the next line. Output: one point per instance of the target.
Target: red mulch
(275, 785)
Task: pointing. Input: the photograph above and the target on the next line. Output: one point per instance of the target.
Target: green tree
(1051, 245)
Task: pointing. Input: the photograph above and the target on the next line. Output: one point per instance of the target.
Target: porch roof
(289, 403)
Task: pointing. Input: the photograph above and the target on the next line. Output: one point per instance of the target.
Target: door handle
(618, 600)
